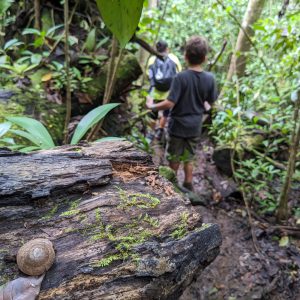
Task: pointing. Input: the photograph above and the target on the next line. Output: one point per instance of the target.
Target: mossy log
(129, 70)
(120, 230)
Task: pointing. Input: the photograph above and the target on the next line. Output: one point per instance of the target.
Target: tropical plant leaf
(29, 149)
(31, 31)
(8, 141)
(16, 147)
(4, 59)
(102, 42)
(36, 59)
(4, 5)
(91, 119)
(4, 128)
(46, 77)
(110, 139)
(73, 40)
(121, 17)
(27, 136)
(53, 29)
(35, 129)
(91, 40)
(284, 241)
(12, 43)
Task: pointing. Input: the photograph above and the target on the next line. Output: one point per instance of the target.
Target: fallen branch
(217, 57)
(146, 46)
(270, 160)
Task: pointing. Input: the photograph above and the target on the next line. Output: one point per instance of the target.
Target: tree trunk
(68, 77)
(37, 15)
(143, 54)
(120, 230)
(283, 211)
(238, 61)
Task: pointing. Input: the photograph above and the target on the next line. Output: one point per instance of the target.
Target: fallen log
(119, 230)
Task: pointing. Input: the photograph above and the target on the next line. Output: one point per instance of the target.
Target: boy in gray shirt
(192, 92)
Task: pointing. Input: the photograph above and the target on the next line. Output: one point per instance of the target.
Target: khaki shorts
(181, 149)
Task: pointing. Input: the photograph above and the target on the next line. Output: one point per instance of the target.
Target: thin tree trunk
(284, 8)
(67, 62)
(110, 81)
(243, 44)
(283, 211)
(143, 54)
(37, 14)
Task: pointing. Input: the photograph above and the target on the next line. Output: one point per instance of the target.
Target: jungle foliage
(263, 102)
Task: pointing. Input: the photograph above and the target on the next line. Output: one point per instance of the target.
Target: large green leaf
(121, 17)
(90, 41)
(4, 5)
(31, 31)
(12, 43)
(28, 136)
(53, 29)
(4, 127)
(35, 129)
(91, 119)
(7, 141)
(29, 149)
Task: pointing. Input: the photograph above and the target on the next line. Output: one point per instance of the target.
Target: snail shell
(36, 257)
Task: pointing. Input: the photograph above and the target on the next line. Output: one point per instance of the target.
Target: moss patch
(182, 228)
(126, 238)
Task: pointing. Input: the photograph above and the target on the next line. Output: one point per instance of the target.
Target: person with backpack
(161, 72)
(193, 91)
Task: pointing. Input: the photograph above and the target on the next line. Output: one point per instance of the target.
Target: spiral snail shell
(36, 257)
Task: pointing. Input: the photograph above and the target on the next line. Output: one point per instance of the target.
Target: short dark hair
(196, 50)
(161, 46)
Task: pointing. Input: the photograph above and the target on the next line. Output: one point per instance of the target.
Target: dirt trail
(239, 272)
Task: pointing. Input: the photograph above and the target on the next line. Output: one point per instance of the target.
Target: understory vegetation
(62, 70)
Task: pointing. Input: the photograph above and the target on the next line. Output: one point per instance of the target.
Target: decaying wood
(120, 231)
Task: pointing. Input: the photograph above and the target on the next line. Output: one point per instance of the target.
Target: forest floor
(240, 272)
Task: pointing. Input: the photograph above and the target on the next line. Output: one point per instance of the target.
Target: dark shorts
(181, 149)
(166, 113)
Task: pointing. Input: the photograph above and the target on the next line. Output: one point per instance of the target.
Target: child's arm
(163, 105)
(212, 97)
(207, 106)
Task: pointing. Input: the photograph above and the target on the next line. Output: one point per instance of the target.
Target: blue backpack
(161, 73)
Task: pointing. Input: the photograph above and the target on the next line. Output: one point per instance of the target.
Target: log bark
(120, 231)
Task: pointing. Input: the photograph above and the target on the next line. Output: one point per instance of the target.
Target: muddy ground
(240, 272)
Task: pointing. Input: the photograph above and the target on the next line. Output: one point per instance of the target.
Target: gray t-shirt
(189, 90)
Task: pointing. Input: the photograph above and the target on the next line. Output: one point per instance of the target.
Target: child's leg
(162, 122)
(188, 172)
(188, 176)
(173, 152)
(164, 118)
(190, 151)
(174, 166)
